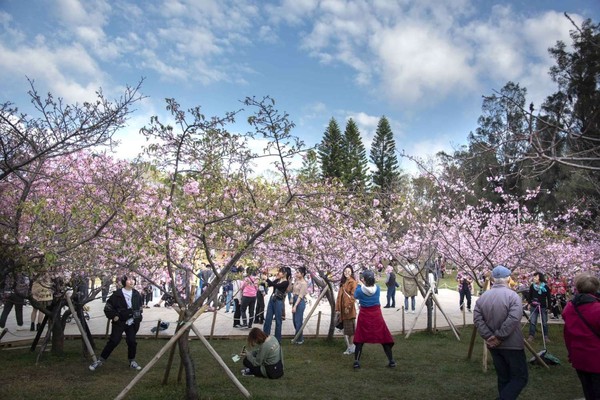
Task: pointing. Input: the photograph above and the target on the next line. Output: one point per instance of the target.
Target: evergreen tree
(356, 164)
(331, 152)
(309, 172)
(383, 154)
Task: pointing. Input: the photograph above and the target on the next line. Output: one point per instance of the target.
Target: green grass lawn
(430, 366)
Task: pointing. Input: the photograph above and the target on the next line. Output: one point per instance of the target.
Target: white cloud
(420, 65)
(67, 72)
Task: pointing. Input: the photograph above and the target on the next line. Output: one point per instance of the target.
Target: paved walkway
(220, 323)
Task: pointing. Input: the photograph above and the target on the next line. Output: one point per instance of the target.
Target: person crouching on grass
(370, 325)
(264, 357)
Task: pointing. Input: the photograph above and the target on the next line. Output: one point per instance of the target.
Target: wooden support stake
(217, 357)
(38, 334)
(214, 321)
(535, 354)
(318, 324)
(403, 319)
(312, 310)
(472, 342)
(84, 336)
(485, 358)
(162, 351)
(157, 329)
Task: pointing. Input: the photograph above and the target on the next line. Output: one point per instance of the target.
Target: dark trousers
(17, 302)
(253, 369)
(115, 338)
(590, 383)
(237, 312)
(387, 349)
(511, 368)
(465, 294)
(248, 304)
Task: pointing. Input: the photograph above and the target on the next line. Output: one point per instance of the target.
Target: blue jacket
(367, 300)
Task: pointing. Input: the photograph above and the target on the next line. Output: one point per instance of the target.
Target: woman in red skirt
(370, 325)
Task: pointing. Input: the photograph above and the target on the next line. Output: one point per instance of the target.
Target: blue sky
(424, 64)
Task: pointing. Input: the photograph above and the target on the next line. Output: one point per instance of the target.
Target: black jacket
(541, 297)
(117, 306)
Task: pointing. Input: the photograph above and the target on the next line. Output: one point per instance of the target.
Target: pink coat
(582, 344)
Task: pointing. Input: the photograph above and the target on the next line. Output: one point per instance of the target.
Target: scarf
(540, 288)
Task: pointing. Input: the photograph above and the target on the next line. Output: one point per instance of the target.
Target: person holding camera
(264, 358)
(370, 325)
(539, 299)
(124, 309)
(275, 306)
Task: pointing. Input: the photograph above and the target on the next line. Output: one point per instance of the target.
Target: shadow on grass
(430, 366)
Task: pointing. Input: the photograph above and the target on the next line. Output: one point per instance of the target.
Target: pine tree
(331, 152)
(356, 164)
(309, 172)
(383, 154)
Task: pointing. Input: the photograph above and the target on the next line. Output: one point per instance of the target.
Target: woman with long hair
(299, 303)
(539, 300)
(264, 357)
(345, 306)
(275, 306)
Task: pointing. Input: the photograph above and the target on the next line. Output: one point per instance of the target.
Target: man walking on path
(497, 316)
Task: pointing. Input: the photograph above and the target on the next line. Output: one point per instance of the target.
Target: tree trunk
(191, 386)
(58, 330)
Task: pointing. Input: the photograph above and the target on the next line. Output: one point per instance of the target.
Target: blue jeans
(275, 308)
(413, 302)
(228, 302)
(298, 318)
(391, 296)
(533, 318)
(511, 368)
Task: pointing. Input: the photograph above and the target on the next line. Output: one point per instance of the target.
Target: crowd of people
(256, 297)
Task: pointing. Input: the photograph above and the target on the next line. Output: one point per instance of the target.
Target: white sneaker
(350, 350)
(133, 364)
(95, 365)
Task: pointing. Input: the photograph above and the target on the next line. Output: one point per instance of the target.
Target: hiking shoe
(392, 364)
(95, 365)
(356, 365)
(133, 364)
(246, 372)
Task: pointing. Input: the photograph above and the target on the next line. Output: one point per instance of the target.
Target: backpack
(109, 310)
